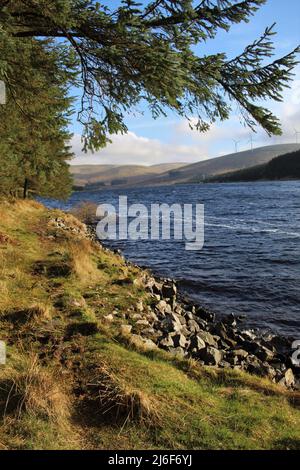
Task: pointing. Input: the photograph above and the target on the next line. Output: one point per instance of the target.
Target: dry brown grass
(34, 390)
(117, 399)
(27, 315)
(6, 240)
(40, 311)
(85, 212)
(82, 261)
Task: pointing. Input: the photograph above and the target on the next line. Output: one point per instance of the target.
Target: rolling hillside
(108, 174)
(100, 176)
(196, 172)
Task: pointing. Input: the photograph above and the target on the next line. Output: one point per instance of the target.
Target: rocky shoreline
(177, 325)
(174, 323)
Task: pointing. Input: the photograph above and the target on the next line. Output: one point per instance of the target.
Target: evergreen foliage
(145, 52)
(122, 57)
(34, 125)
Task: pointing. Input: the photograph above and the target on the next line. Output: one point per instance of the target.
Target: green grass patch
(72, 382)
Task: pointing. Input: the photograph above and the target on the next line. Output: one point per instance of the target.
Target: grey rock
(270, 371)
(167, 342)
(152, 317)
(230, 320)
(145, 343)
(142, 322)
(189, 316)
(261, 369)
(151, 333)
(193, 326)
(181, 319)
(279, 366)
(264, 354)
(224, 345)
(223, 334)
(202, 323)
(179, 341)
(205, 314)
(297, 385)
(200, 363)
(240, 353)
(233, 360)
(136, 316)
(140, 306)
(76, 303)
(156, 297)
(185, 331)
(207, 338)
(211, 355)
(169, 290)
(289, 378)
(197, 343)
(178, 309)
(281, 344)
(249, 346)
(154, 286)
(167, 325)
(163, 307)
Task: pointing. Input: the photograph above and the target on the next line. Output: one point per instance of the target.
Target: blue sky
(170, 139)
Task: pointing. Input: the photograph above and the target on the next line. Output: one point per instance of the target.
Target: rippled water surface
(250, 262)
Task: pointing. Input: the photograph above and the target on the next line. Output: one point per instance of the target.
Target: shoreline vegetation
(83, 371)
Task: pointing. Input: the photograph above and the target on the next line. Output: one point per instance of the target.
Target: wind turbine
(251, 142)
(296, 135)
(236, 143)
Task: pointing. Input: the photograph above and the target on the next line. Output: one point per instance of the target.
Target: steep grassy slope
(74, 381)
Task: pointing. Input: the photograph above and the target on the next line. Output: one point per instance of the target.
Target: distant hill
(199, 171)
(283, 167)
(96, 177)
(112, 174)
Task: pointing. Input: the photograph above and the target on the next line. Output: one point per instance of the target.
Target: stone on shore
(211, 355)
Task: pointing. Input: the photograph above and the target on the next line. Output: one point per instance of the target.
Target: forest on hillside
(283, 167)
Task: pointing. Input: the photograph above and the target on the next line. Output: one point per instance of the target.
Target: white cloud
(220, 138)
(136, 150)
(191, 146)
(231, 129)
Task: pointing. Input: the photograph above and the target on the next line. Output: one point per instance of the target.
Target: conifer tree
(146, 52)
(33, 127)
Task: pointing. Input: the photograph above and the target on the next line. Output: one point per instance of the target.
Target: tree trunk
(25, 189)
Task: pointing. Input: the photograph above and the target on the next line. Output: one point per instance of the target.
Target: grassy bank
(73, 380)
